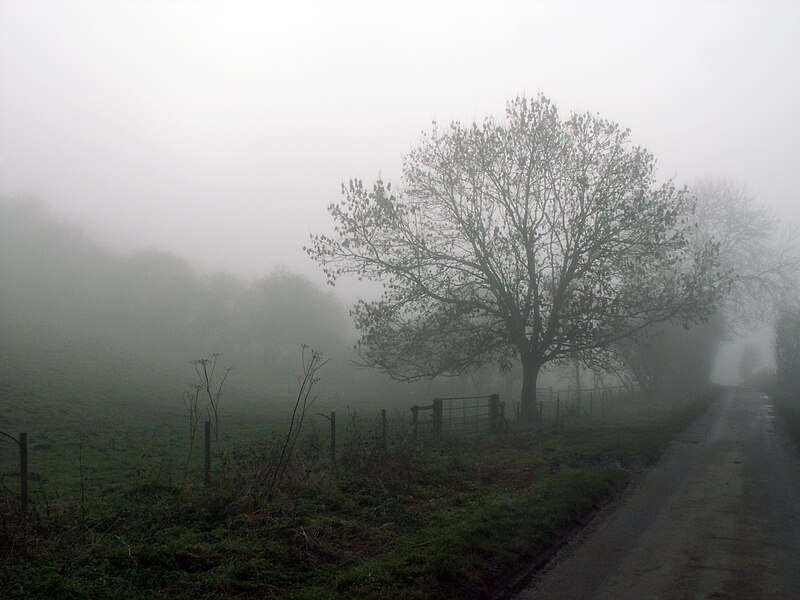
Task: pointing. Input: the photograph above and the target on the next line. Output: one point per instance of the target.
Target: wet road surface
(718, 517)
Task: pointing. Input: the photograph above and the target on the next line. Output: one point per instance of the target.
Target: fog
(219, 132)
(532, 315)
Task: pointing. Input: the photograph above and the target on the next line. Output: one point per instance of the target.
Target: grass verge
(789, 406)
(449, 519)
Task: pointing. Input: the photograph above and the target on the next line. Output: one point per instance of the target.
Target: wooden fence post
(333, 437)
(414, 420)
(494, 412)
(437, 416)
(383, 428)
(207, 454)
(23, 472)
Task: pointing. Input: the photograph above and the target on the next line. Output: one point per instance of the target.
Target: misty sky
(220, 131)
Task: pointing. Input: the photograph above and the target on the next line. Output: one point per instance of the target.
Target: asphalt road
(718, 517)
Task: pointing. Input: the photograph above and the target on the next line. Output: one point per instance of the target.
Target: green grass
(419, 520)
(788, 404)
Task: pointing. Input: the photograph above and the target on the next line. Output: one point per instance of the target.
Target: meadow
(117, 512)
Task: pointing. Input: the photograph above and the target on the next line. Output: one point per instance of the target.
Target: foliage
(85, 310)
(531, 240)
(64, 339)
(787, 349)
(672, 358)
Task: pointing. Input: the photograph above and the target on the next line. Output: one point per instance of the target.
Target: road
(718, 517)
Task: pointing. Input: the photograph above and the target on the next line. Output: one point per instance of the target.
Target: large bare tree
(531, 239)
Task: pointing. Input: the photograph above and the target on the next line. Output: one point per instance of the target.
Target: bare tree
(763, 258)
(762, 253)
(530, 240)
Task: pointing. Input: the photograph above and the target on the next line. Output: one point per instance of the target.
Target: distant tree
(46, 264)
(154, 296)
(787, 347)
(749, 362)
(219, 320)
(761, 252)
(671, 357)
(763, 260)
(529, 240)
(285, 311)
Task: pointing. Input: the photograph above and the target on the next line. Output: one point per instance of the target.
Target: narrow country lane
(718, 517)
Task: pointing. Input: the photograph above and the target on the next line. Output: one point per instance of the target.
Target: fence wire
(66, 463)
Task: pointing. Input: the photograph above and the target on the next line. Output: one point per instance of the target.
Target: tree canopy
(531, 239)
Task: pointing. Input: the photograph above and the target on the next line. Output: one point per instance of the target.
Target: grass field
(426, 519)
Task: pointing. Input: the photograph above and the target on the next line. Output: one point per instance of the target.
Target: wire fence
(555, 404)
(66, 464)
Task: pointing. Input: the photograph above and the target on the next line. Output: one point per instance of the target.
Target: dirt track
(718, 517)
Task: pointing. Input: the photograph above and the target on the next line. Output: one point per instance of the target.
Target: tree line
(60, 290)
(508, 248)
(75, 315)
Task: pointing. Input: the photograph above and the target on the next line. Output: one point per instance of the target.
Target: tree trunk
(529, 408)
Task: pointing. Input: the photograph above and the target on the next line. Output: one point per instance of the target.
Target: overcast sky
(220, 131)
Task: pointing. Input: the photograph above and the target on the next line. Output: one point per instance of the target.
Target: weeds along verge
(400, 519)
(788, 403)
